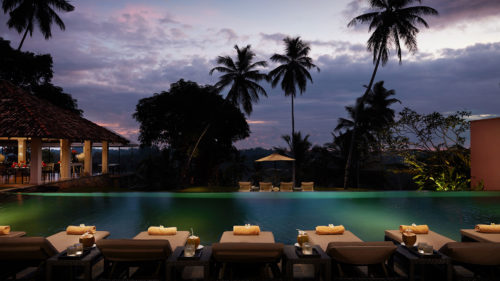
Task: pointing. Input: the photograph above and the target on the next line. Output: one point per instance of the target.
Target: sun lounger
(286, 186)
(19, 253)
(307, 186)
(177, 240)
(471, 235)
(324, 240)
(13, 234)
(247, 258)
(61, 240)
(432, 238)
(120, 255)
(349, 255)
(245, 186)
(265, 186)
(263, 237)
(482, 258)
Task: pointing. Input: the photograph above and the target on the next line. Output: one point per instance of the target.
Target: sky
(115, 52)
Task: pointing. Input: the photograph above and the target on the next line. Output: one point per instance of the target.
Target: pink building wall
(485, 153)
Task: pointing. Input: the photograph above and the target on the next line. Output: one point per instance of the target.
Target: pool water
(366, 214)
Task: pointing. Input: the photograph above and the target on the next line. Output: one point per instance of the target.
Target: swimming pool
(367, 214)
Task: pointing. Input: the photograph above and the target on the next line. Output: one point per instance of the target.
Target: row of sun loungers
(246, 186)
(345, 250)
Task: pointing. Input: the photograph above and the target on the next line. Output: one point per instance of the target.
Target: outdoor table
(74, 167)
(176, 262)
(86, 263)
(290, 258)
(408, 262)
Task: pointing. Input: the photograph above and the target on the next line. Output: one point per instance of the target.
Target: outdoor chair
(245, 186)
(432, 238)
(307, 186)
(134, 258)
(26, 254)
(265, 186)
(177, 240)
(233, 258)
(286, 186)
(481, 258)
(349, 257)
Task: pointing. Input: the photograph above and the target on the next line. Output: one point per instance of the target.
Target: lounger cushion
(323, 240)
(361, 253)
(481, 237)
(263, 237)
(177, 240)
(247, 252)
(134, 250)
(432, 238)
(13, 234)
(61, 240)
(473, 253)
(26, 248)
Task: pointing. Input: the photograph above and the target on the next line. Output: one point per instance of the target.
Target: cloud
(229, 34)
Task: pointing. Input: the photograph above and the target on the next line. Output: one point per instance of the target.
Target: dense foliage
(33, 73)
(432, 145)
(173, 120)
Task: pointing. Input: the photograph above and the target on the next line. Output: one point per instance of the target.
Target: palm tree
(293, 72)
(373, 118)
(24, 14)
(300, 146)
(242, 77)
(391, 21)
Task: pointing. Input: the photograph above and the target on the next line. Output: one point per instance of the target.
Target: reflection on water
(367, 214)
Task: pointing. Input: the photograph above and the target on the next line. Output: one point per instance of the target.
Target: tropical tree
(243, 77)
(300, 146)
(374, 117)
(391, 21)
(293, 72)
(25, 14)
(171, 120)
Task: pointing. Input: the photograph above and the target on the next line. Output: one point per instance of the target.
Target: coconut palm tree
(391, 22)
(293, 72)
(242, 76)
(374, 117)
(24, 14)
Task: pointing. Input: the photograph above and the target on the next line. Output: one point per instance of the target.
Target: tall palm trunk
(22, 41)
(359, 104)
(293, 144)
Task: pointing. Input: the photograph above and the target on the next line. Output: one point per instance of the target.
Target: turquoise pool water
(367, 214)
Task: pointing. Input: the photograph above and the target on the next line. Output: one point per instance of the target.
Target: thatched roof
(24, 115)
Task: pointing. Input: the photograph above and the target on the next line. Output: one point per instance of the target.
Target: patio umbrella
(274, 158)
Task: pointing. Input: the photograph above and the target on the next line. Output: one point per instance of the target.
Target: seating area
(246, 252)
(247, 186)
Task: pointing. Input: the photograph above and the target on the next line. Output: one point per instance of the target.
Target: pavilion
(30, 121)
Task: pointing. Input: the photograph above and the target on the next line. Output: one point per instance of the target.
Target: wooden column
(65, 157)
(105, 152)
(21, 150)
(87, 152)
(36, 161)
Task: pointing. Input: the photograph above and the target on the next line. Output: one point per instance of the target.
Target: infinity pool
(367, 214)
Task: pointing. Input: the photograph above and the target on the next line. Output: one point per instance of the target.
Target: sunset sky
(115, 52)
